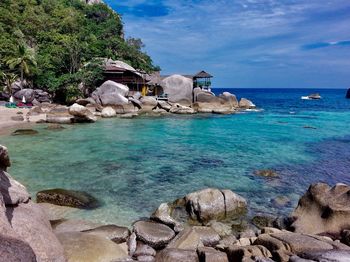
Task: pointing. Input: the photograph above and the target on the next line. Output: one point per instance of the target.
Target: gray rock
(58, 115)
(236, 253)
(226, 241)
(286, 244)
(15, 250)
(163, 215)
(17, 118)
(108, 112)
(81, 113)
(164, 105)
(153, 234)
(209, 254)
(323, 209)
(179, 89)
(4, 158)
(180, 109)
(230, 98)
(213, 204)
(27, 93)
(12, 191)
(207, 235)
(80, 247)
(136, 102)
(63, 197)
(85, 101)
(132, 244)
(112, 232)
(73, 225)
(187, 239)
(30, 223)
(111, 93)
(246, 104)
(148, 103)
(173, 254)
(331, 256)
(144, 250)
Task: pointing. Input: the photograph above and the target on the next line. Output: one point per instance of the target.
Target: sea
(134, 165)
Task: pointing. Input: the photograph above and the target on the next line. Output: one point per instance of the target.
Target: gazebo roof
(202, 74)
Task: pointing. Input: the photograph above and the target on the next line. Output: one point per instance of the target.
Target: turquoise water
(133, 165)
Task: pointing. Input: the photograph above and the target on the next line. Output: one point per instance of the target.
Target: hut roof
(120, 66)
(202, 74)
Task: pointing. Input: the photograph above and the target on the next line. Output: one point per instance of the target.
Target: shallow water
(133, 165)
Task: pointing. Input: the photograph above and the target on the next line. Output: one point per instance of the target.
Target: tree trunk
(22, 76)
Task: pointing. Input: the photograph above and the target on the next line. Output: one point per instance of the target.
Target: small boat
(315, 96)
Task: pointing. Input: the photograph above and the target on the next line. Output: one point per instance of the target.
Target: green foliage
(7, 79)
(66, 35)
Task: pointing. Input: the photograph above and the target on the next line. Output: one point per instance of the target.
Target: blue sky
(246, 43)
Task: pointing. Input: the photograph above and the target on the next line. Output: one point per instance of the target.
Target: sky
(246, 43)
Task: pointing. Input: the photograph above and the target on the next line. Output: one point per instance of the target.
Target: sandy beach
(7, 124)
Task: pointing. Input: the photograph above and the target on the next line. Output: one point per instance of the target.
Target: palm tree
(24, 58)
(8, 80)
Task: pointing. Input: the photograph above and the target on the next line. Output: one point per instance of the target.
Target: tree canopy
(59, 37)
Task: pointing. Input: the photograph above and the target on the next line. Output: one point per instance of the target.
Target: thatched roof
(117, 65)
(202, 74)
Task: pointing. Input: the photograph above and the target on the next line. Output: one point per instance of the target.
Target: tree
(24, 58)
(8, 79)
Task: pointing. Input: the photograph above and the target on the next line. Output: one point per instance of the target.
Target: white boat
(315, 96)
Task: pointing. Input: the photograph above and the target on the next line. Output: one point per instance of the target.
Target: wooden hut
(202, 80)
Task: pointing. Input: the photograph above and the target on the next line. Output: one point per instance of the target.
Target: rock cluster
(26, 233)
(198, 227)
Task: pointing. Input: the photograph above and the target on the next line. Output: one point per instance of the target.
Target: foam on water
(133, 165)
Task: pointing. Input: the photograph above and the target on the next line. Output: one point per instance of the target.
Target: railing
(202, 83)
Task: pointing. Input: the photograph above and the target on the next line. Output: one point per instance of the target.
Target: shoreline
(7, 125)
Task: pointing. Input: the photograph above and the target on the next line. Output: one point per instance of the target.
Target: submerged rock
(63, 197)
(153, 234)
(25, 132)
(266, 173)
(55, 127)
(323, 209)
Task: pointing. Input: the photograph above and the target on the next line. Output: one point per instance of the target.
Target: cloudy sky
(246, 43)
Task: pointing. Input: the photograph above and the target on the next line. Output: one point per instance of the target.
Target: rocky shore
(207, 225)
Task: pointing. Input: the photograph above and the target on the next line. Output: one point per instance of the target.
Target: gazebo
(202, 80)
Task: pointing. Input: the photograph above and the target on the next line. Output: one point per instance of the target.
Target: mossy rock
(63, 197)
(25, 132)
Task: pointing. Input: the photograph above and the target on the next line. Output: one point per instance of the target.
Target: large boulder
(246, 104)
(4, 158)
(41, 96)
(108, 112)
(153, 234)
(179, 89)
(30, 223)
(230, 98)
(27, 93)
(81, 113)
(58, 115)
(81, 247)
(186, 239)
(15, 250)
(163, 215)
(323, 209)
(214, 204)
(148, 103)
(12, 191)
(111, 93)
(71, 198)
